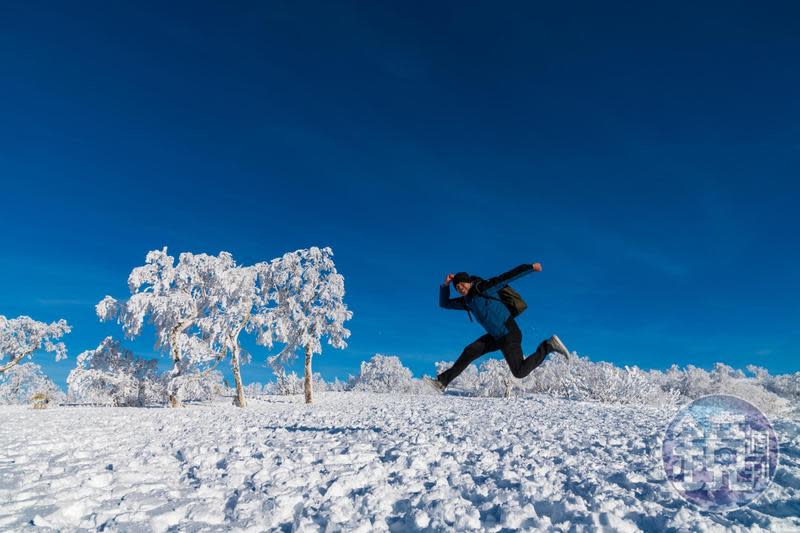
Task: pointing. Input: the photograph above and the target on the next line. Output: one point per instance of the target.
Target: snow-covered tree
(168, 299)
(112, 375)
(19, 384)
(234, 302)
(22, 336)
(383, 373)
(198, 307)
(306, 293)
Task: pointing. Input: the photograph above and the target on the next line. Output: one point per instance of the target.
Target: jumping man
(481, 298)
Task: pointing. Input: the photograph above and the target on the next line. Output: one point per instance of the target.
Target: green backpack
(512, 300)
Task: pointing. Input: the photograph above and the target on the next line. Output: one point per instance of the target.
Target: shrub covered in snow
(337, 385)
(786, 386)
(582, 379)
(466, 382)
(112, 375)
(694, 382)
(287, 384)
(21, 383)
(383, 373)
(494, 378)
(203, 385)
(255, 389)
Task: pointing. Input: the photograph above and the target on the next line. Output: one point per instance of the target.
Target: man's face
(463, 288)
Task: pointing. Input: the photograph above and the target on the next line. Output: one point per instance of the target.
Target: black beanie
(461, 277)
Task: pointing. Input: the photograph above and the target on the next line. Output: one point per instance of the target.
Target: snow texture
(361, 462)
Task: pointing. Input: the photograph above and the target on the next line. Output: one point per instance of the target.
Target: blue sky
(647, 156)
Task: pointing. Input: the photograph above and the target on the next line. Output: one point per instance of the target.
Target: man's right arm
(449, 303)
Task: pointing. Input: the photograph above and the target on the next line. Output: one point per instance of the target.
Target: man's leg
(480, 347)
(511, 345)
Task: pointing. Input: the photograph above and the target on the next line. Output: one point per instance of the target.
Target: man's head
(462, 282)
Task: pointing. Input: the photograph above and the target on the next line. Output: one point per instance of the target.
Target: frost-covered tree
(169, 297)
(197, 306)
(22, 336)
(234, 304)
(19, 384)
(302, 295)
(383, 373)
(112, 375)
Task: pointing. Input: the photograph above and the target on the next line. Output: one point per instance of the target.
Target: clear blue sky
(647, 156)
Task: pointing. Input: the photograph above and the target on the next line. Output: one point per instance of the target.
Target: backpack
(510, 298)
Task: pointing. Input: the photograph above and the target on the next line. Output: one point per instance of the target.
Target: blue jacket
(483, 302)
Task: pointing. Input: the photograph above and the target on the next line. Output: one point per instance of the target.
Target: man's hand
(448, 279)
(537, 267)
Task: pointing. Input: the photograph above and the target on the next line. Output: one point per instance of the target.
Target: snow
(361, 462)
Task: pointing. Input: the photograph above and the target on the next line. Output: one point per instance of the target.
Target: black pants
(510, 345)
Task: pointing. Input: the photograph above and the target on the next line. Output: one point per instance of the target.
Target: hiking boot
(558, 346)
(434, 384)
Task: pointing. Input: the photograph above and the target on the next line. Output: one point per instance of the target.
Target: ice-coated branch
(22, 336)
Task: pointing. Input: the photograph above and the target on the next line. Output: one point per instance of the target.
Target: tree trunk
(140, 399)
(237, 376)
(238, 401)
(307, 382)
(172, 395)
(172, 390)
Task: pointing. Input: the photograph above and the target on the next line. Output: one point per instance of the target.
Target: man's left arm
(511, 275)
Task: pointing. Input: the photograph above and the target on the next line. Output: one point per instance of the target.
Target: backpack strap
(477, 280)
(484, 295)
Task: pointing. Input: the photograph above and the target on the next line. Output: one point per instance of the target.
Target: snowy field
(360, 462)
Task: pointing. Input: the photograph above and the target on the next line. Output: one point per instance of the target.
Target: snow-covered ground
(360, 462)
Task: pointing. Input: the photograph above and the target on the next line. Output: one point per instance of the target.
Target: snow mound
(361, 462)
